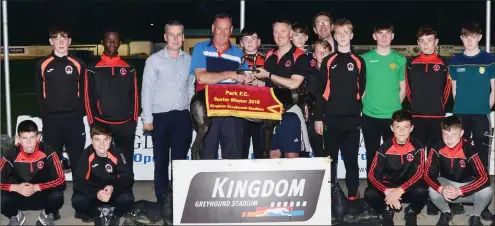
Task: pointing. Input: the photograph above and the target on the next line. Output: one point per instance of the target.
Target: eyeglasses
(322, 22)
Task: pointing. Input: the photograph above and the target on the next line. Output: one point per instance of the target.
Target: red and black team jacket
(342, 86)
(94, 173)
(459, 164)
(314, 76)
(42, 167)
(111, 91)
(396, 165)
(427, 86)
(59, 86)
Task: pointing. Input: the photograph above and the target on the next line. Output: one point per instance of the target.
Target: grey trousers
(479, 199)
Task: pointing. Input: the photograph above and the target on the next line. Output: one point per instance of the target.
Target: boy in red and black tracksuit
(338, 106)
(396, 173)
(250, 42)
(103, 177)
(60, 91)
(427, 89)
(32, 178)
(112, 95)
(456, 174)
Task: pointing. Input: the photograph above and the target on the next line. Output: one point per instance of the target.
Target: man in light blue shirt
(166, 92)
(216, 61)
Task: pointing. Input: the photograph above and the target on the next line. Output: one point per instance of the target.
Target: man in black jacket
(112, 95)
(103, 178)
(59, 87)
(31, 178)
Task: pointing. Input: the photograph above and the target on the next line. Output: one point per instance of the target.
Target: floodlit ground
(144, 190)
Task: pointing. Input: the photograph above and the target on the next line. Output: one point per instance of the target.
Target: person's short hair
(300, 28)
(100, 129)
(222, 16)
(343, 22)
(53, 32)
(173, 23)
(426, 30)
(248, 31)
(471, 28)
(402, 116)
(282, 21)
(451, 122)
(323, 43)
(383, 26)
(27, 126)
(111, 30)
(322, 14)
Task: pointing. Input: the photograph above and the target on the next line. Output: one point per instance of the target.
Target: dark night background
(30, 20)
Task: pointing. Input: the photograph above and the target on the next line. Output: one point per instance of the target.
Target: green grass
(22, 89)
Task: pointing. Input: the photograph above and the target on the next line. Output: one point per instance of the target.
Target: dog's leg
(268, 126)
(202, 123)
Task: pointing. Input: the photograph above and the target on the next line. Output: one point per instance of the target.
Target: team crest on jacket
(393, 66)
(68, 69)
(462, 163)
(123, 71)
(109, 168)
(482, 70)
(40, 164)
(410, 157)
(313, 63)
(287, 63)
(436, 67)
(350, 67)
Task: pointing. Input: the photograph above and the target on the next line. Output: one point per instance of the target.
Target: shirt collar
(167, 55)
(291, 50)
(213, 45)
(55, 56)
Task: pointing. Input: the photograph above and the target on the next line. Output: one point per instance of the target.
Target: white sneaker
(45, 219)
(18, 219)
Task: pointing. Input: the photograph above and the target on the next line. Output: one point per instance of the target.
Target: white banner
(144, 161)
(252, 192)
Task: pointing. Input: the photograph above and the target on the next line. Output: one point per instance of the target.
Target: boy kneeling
(102, 179)
(456, 174)
(396, 173)
(32, 178)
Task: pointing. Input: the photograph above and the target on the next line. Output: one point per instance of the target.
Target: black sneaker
(339, 201)
(445, 218)
(486, 215)
(431, 209)
(388, 217)
(457, 208)
(475, 221)
(410, 217)
(84, 217)
(56, 215)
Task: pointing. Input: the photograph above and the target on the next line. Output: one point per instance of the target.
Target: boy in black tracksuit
(338, 106)
(396, 173)
(456, 174)
(31, 178)
(59, 87)
(112, 95)
(321, 50)
(103, 177)
(427, 90)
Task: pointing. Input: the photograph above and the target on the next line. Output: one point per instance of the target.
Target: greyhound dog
(288, 97)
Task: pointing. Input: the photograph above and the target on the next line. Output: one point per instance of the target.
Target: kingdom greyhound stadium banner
(252, 192)
(143, 153)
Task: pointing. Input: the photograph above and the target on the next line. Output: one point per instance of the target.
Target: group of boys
(421, 146)
(353, 93)
(32, 171)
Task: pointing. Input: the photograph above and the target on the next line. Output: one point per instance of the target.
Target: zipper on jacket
(426, 68)
(98, 106)
(452, 163)
(31, 166)
(113, 71)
